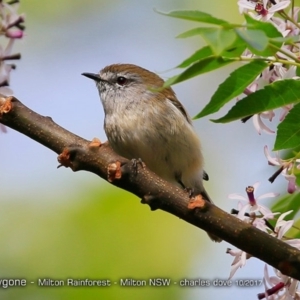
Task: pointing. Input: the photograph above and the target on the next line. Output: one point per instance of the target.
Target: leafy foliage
(233, 86)
(287, 203)
(288, 135)
(275, 95)
(226, 43)
(265, 80)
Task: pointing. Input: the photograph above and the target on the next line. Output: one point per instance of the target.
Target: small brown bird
(143, 121)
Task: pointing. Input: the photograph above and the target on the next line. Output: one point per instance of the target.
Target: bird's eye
(121, 80)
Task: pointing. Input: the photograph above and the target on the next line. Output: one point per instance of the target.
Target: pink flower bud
(14, 33)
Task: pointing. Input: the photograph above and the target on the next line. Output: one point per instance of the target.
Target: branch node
(151, 201)
(49, 118)
(114, 171)
(5, 105)
(197, 202)
(95, 143)
(64, 159)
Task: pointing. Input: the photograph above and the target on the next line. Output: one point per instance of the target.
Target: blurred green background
(58, 224)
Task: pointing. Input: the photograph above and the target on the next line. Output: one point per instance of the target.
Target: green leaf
(268, 28)
(198, 55)
(271, 34)
(233, 86)
(275, 95)
(203, 66)
(206, 51)
(286, 203)
(286, 40)
(256, 40)
(219, 39)
(296, 172)
(194, 15)
(288, 134)
(294, 232)
(235, 51)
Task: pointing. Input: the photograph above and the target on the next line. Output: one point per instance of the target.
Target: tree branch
(80, 154)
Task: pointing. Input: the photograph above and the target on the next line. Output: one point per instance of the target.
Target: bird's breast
(159, 135)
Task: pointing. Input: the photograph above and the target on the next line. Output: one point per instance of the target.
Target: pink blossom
(239, 260)
(263, 10)
(286, 169)
(14, 33)
(252, 205)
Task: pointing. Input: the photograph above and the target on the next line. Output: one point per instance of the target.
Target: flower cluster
(279, 286)
(280, 68)
(262, 10)
(287, 168)
(283, 65)
(11, 27)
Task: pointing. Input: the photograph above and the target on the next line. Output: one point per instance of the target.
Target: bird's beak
(93, 76)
